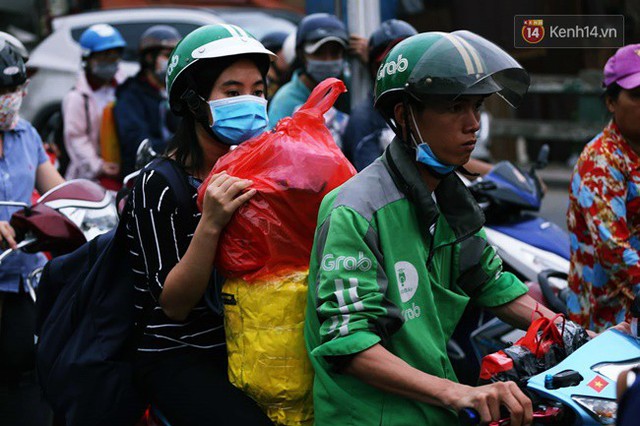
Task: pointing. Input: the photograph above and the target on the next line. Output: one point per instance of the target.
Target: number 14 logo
(533, 31)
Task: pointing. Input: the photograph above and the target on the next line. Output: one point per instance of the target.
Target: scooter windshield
(463, 63)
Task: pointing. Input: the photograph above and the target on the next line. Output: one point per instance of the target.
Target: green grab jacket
(389, 265)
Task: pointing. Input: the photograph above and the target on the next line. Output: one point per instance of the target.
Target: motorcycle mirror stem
(541, 162)
(543, 159)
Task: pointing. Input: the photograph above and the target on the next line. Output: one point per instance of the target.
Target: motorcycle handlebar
(22, 244)
(468, 417)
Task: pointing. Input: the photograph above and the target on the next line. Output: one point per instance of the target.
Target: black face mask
(104, 70)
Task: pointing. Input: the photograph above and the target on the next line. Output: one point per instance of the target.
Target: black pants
(21, 401)
(191, 387)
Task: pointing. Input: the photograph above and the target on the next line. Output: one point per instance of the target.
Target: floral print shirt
(604, 226)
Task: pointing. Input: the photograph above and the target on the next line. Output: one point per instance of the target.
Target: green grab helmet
(209, 42)
(447, 64)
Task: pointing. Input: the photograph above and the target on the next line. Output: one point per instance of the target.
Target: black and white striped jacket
(159, 233)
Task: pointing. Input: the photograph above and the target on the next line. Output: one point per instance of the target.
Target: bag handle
(547, 329)
(550, 332)
(324, 95)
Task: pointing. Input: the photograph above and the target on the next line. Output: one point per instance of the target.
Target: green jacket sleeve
(500, 287)
(350, 286)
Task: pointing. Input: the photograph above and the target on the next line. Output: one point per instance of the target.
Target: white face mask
(9, 108)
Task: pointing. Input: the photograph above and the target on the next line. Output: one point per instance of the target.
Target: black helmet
(16, 44)
(273, 41)
(12, 69)
(391, 32)
(159, 37)
(319, 28)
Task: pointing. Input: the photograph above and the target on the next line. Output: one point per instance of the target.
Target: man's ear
(609, 103)
(398, 114)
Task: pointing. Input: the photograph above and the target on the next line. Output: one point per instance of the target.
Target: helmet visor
(463, 63)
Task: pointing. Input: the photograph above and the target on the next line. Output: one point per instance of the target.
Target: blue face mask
(425, 155)
(320, 70)
(239, 118)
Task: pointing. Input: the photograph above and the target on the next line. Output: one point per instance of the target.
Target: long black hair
(184, 145)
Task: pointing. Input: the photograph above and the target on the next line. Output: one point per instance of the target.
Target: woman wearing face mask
(82, 108)
(321, 43)
(141, 109)
(216, 83)
(24, 166)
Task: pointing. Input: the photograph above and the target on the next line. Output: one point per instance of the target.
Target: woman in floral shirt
(604, 209)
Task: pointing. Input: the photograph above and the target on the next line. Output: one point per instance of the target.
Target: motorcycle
(60, 221)
(534, 249)
(581, 389)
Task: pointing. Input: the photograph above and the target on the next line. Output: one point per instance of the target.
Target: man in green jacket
(399, 250)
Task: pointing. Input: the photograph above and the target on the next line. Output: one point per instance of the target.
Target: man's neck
(153, 80)
(429, 179)
(634, 144)
(306, 80)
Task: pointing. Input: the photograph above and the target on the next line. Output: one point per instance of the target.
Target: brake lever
(22, 244)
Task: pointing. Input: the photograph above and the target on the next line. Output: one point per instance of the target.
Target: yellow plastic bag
(109, 143)
(264, 323)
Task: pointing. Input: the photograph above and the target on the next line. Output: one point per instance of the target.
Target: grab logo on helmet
(173, 64)
(391, 67)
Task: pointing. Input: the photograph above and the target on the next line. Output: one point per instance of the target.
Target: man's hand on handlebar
(487, 399)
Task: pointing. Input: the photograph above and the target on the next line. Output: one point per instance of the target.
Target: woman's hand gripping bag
(264, 254)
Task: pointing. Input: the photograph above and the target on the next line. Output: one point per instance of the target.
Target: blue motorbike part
(593, 399)
(539, 233)
(512, 186)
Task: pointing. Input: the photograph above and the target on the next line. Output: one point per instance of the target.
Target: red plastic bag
(292, 168)
(539, 349)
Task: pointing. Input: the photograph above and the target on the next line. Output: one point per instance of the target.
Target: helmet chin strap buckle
(196, 105)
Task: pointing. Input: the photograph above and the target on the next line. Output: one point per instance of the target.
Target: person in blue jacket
(24, 165)
(141, 109)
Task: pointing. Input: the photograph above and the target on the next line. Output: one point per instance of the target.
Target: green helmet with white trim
(209, 42)
(450, 65)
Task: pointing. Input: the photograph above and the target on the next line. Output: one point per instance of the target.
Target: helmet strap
(198, 107)
(408, 110)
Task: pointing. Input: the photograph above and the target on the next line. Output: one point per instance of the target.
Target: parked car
(55, 62)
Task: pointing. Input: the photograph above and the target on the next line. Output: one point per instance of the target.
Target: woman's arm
(47, 177)
(187, 281)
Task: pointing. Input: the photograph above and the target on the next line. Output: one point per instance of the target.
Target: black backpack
(85, 326)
